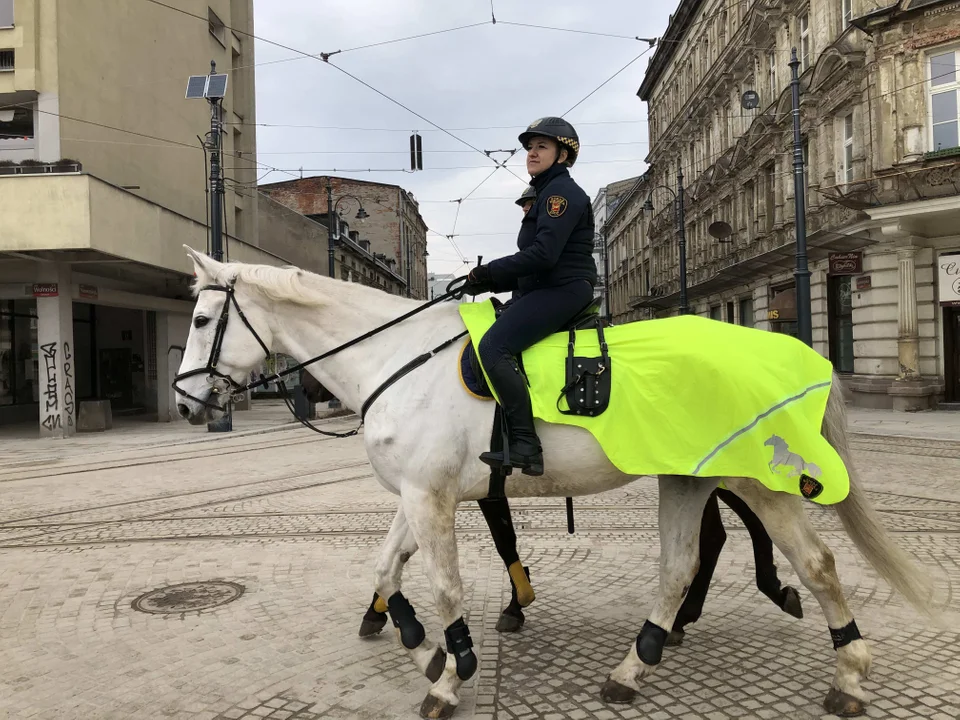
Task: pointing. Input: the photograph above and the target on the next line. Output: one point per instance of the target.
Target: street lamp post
(681, 233)
(332, 220)
(802, 272)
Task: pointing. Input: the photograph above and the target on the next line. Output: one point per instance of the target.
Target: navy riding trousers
(531, 317)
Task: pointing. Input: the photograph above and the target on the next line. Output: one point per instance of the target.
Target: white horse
(423, 436)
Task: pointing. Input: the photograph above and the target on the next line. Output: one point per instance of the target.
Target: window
(6, 13)
(769, 192)
(7, 61)
(217, 28)
(847, 170)
(846, 8)
(804, 24)
(714, 312)
(746, 311)
(18, 352)
(772, 74)
(749, 208)
(16, 124)
(944, 113)
(730, 312)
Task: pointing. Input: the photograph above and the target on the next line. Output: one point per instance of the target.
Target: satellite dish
(720, 230)
(750, 100)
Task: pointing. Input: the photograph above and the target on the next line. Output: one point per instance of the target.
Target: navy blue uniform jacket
(555, 241)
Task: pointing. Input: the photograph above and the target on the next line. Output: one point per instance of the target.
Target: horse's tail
(862, 522)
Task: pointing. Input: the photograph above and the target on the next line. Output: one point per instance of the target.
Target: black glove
(478, 281)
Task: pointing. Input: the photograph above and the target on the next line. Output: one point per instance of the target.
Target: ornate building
(879, 119)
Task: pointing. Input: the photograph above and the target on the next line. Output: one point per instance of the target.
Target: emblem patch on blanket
(693, 396)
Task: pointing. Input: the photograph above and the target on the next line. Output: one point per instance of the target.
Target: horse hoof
(614, 692)
(842, 704)
(509, 623)
(435, 708)
(791, 602)
(436, 666)
(370, 628)
(675, 638)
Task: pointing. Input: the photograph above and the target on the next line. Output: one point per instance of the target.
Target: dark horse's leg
(786, 598)
(496, 511)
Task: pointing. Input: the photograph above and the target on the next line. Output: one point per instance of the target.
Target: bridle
(211, 367)
(222, 383)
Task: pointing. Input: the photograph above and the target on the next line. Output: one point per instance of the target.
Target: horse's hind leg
(791, 530)
(682, 500)
(397, 549)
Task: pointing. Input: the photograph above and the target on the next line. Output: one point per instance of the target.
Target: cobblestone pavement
(297, 522)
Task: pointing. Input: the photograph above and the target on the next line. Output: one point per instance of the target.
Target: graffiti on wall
(68, 399)
(51, 394)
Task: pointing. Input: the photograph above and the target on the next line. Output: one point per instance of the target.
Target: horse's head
(774, 440)
(224, 344)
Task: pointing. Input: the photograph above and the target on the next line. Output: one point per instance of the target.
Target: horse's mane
(291, 284)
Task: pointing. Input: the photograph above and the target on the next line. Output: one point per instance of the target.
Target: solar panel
(196, 86)
(217, 86)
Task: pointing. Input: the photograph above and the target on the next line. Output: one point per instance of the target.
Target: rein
(226, 384)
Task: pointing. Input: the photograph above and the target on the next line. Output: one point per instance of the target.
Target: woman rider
(552, 278)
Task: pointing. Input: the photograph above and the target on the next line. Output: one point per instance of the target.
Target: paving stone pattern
(298, 522)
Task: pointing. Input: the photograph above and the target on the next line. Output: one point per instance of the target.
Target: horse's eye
(200, 321)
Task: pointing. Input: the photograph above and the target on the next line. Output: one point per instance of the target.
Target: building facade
(616, 210)
(393, 226)
(880, 149)
(102, 180)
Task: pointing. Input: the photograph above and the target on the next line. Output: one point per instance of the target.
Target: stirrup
(505, 462)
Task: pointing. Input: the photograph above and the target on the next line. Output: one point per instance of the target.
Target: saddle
(587, 388)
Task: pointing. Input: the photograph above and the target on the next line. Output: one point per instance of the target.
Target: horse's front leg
(682, 500)
(431, 514)
(397, 549)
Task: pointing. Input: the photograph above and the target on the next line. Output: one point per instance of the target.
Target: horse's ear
(201, 262)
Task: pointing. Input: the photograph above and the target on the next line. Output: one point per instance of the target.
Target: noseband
(220, 382)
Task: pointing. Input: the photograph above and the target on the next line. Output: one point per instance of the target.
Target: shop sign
(90, 292)
(45, 290)
(949, 275)
(864, 282)
(850, 263)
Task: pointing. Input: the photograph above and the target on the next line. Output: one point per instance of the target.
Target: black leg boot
(511, 387)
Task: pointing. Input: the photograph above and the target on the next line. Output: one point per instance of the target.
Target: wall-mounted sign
(750, 100)
(864, 282)
(45, 290)
(850, 263)
(948, 268)
(89, 291)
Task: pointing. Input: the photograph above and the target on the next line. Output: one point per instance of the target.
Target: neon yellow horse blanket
(698, 397)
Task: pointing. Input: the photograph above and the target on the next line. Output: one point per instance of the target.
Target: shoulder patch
(556, 206)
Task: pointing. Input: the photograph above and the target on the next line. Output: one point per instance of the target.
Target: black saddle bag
(587, 391)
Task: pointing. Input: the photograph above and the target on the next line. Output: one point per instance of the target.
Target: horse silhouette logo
(795, 466)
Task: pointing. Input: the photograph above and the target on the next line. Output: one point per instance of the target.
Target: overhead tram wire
(326, 61)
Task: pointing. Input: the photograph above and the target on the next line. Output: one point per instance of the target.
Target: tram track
(156, 459)
(238, 498)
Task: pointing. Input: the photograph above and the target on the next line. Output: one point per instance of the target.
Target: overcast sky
(480, 77)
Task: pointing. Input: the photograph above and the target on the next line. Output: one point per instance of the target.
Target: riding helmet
(529, 194)
(558, 129)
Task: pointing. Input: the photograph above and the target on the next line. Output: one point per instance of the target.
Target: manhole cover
(188, 597)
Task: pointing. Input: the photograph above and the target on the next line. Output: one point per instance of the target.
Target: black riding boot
(511, 387)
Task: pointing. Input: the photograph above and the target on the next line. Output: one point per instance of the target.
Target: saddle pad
(475, 386)
(698, 397)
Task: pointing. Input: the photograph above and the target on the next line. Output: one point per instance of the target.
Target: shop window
(19, 359)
